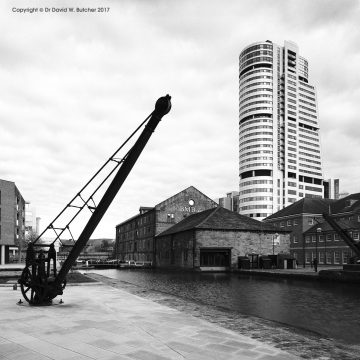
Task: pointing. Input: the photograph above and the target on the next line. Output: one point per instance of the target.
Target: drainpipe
(304, 251)
(2, 250)
(193, 239)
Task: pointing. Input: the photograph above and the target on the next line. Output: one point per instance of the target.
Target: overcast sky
(74, 86)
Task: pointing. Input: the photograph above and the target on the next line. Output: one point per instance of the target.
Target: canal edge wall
(339, 276)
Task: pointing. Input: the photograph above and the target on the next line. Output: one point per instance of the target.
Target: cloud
(74, 86)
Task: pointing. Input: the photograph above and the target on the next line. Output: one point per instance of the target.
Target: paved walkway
(100, 322)
(12, 266)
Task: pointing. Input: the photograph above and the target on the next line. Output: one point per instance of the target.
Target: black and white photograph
(178, 179)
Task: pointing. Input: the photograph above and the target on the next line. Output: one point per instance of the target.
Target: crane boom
(36, 275)
(355, 246)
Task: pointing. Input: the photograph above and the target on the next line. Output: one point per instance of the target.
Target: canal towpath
(289, 340)
(96, 321)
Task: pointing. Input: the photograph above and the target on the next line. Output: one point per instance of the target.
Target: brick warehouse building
(12, 219)
(215, 238)
(322, 242)
(311, 235)
(135, 236)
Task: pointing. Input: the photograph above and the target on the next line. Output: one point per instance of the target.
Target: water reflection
(326, 308)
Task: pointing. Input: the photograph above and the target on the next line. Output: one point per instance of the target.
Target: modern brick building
(311, 236)
(279, 141)
(135, 236)
(12, 220)
(214, 239)
(323, 243)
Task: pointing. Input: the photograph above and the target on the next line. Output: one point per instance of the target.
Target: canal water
(329, 309)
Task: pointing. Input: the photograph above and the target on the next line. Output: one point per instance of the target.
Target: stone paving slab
(101, 322)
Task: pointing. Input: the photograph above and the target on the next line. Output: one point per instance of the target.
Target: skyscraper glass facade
(279, 143)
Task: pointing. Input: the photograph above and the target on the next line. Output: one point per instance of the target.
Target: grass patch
(71, 278)
(4, 280)
(76, 278)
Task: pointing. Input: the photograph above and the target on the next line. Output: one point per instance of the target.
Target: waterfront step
(352, 267)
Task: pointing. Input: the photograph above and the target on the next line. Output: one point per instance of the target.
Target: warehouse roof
(346, 204)
(219, 218)
(304, 206)
(326, 227)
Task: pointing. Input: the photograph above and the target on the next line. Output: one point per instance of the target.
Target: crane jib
(40, 282)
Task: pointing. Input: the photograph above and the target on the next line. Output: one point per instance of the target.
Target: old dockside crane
(353, 245)
(40, 281)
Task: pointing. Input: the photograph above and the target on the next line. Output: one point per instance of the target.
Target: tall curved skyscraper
(279, 143)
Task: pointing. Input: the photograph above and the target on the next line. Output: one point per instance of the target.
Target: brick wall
(296, 236)
(175, 250)
(178, 206)
(172, 250)
(241, 243)
(142, 228)
(12, 220)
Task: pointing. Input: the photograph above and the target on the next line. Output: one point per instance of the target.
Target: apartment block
(279, 141)
(12, 220)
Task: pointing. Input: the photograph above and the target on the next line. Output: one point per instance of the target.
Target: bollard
(15, 287)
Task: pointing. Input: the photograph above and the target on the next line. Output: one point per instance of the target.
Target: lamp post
(325, 263)
(273, 251)
(318, 231)
(273, 242)
(304, 254)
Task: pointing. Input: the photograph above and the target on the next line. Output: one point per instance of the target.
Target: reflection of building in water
(12, 220)
(135, 236)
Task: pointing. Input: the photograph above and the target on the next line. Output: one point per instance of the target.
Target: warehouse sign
(191, 209)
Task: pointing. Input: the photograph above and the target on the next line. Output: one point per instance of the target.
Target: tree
(30, 237)
(104, 244)
(22, 243)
